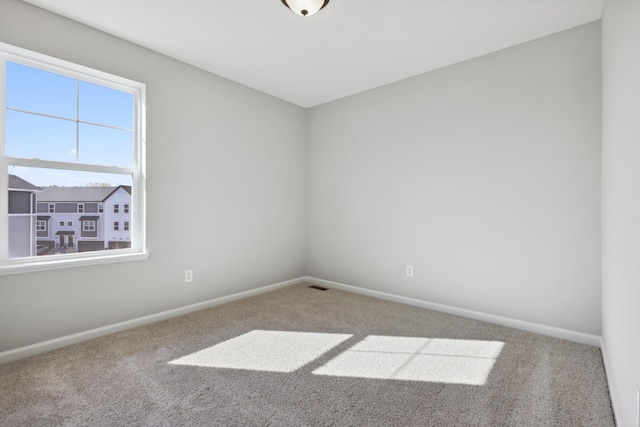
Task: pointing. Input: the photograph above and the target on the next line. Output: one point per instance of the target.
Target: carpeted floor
(304, 357)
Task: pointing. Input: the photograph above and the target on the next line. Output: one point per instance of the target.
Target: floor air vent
(320, 288)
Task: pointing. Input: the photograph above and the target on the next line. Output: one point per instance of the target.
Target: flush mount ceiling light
(305, 7)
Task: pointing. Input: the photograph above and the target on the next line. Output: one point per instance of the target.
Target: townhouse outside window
(72, 139)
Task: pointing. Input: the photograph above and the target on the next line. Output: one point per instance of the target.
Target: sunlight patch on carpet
(416, 359)
(272, 351)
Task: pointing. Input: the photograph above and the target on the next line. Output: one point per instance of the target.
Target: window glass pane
(39, 91)
(64, 230)
(54, 120)
(37, 137)
(106, 106)
(43, 177)
(20, 202)
(105, 146)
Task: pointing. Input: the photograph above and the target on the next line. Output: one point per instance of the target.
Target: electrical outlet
(409, 270)
(188, 276)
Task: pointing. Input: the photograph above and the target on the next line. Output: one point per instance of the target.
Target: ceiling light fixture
(305, 7)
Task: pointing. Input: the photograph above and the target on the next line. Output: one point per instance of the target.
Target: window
(116, 208)
(126, 208)
(69, 223)
(41, 225)
(116, 226)
(126, 226)
(61, 123)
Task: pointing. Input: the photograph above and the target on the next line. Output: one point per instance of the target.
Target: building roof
(17, 183)
(79, 194)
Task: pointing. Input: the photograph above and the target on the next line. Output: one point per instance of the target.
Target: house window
(61, 223)
(41, 225)
(126, 226)
(69, 223)
(88, 226)
(62, 123)
(116, 208)
(116, 226)
(126, 208)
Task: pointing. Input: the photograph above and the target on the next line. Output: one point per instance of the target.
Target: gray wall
(225, 191)
(485, 176)
(621, 201)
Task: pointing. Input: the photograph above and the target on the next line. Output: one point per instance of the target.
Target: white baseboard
(42, 347)
(551, 331)
(613, 394)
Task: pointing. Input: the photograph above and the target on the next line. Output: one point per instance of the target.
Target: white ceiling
(348, 47)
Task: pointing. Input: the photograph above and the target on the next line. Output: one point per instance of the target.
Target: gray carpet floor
(303, 357)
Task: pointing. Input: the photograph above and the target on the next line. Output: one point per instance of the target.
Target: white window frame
(51, 207)
(80, 207)
(101, 208)
(88, 225)
(116, 226)
(43, 223)
(138, 249)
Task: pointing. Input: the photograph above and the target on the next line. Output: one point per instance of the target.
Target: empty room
(320, 212)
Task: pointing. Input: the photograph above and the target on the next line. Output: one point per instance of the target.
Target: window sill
(38, 266)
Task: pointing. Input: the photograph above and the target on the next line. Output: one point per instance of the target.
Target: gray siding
(91, 208)
(66, 207)
(19, 236)
(47, 220)
(19, 202)
(89, 233)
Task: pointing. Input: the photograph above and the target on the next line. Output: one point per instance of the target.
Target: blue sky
(48, 138)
